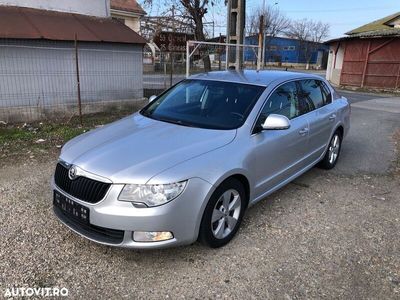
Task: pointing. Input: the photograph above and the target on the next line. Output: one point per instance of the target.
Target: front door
(281, 153)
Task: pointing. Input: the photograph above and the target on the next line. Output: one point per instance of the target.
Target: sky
(342, 15)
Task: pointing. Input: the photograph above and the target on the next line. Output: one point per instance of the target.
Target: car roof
(264, 77)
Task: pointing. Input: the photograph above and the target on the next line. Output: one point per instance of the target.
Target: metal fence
(161, 71)
(42, 80)
(39, 79)
(210, 56)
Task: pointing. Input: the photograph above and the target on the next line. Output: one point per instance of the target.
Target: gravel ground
(326, 235)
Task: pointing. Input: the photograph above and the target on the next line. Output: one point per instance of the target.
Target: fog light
(152, 236)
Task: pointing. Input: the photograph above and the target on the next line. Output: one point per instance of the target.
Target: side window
(326, 93)
(283, 101)
(314, 93)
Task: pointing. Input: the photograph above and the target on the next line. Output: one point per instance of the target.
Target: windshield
(205, 104)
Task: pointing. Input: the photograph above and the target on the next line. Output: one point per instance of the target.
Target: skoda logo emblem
(72, 173)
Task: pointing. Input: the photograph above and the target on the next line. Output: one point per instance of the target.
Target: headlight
(151, 194)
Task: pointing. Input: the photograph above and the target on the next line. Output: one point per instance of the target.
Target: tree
(275, 23)
(310, 33)
(195, 10)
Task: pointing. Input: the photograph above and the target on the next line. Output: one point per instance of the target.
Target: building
(96, 8)
(368, 56)
(39, 65)
(129, 12)
(289, 52)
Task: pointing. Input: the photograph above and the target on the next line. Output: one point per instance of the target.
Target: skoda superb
(187, 166)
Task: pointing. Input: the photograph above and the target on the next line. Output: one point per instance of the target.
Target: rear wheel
(332, 153)
(223, 214)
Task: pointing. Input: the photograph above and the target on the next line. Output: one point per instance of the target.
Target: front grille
(82, 188)
(97, 233)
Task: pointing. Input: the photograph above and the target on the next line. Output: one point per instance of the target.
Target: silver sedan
(187, 166)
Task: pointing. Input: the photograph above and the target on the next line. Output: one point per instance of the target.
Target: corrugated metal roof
(375, 25)
(128, 6)
(378, 33)
(394, 32)
(29, 23)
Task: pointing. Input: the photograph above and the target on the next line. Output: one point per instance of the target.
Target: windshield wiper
(177, 122)
(145, 113)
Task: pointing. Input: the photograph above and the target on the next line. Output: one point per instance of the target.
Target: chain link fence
(165, 69)
(39, 79)
(42, 80)
(208, 56)
(161, 71)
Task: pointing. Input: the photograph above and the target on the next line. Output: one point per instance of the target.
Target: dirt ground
(328, 234)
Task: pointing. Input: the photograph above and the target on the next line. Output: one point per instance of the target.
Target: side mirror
(276, 122)
(152, 98)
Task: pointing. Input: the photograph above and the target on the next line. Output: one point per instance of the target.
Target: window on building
(273, 48)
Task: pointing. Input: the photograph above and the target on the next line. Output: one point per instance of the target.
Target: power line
(337, 10)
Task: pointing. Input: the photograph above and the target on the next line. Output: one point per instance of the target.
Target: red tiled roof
(127, 5)
(29, 23)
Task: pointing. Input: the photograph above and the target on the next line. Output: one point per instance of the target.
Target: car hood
(136, 148)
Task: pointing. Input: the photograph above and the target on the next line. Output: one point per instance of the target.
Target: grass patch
(43, 140)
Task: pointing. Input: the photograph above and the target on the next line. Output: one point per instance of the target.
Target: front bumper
(181, 216)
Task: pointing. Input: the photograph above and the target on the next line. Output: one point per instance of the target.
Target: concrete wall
(40, 76)
(129, 19)
(335, 63)
(133, 23)
(98, 8)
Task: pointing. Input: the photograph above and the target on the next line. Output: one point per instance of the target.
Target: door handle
(303, 132)
(332, 117)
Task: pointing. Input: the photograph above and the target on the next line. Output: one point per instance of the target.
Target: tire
(226, 222)
(333, 152)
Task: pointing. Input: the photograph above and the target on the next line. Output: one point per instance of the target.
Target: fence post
(227, 55)
(171, 71)
(78, 79)
(260, 42)
(165, 73)
(187, 59)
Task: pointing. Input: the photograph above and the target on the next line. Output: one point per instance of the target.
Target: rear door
(322, 117)
(281, 153)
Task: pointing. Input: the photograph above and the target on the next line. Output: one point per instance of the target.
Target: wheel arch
(340, 128)
(245, 182)
(240, 176)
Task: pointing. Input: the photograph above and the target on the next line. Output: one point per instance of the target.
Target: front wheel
(332, 154)
(223, 214)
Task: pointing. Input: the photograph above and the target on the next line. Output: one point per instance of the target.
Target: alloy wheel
(334, 147)
(226, 214)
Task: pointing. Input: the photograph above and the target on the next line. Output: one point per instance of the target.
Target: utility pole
(171, 53)
(260, 42)
(235, 31)
(264, 39)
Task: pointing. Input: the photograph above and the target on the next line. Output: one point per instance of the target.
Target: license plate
(71, 208)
